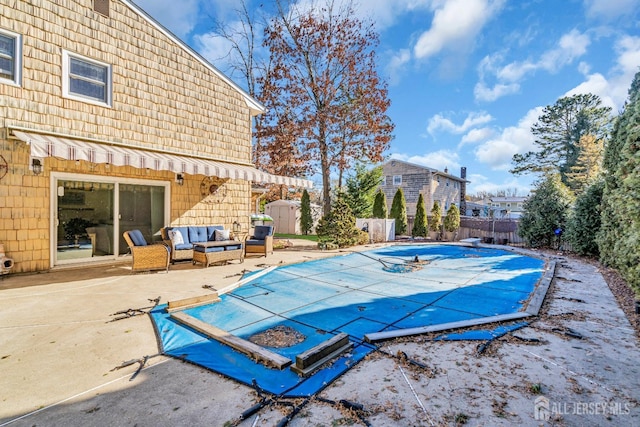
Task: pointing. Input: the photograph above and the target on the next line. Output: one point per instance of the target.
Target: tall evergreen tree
(399, 212)
(588, 167)
(545, 212)
(306, 219)
(619, 237)
(558, 132)
(420, 221)
(339, 225)
(436, 217)
(452, 219)
(380, 205)
(584, 221)
(361, 189)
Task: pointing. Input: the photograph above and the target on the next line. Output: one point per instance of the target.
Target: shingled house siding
(163, 98)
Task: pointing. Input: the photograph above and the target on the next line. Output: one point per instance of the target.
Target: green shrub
(399, 212)
(545, 212)
(436, 217)
(363, 237)
(306, 219)
(619, 236)
(584, 223)
(380, 205)
(420, 221)
(339, 225)
(452, 219)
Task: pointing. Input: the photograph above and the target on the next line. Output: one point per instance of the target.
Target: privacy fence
(498, 230)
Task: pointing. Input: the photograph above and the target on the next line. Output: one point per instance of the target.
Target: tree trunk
(324, 166)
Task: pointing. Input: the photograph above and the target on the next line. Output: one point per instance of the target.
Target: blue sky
(468, 78)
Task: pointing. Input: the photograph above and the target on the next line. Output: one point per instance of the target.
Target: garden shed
(286, 215)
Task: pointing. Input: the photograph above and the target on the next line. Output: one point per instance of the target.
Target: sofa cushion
(137, 238)
(254, 242)
(184, 232)
(211, 230)
(208, 249)
(197, 234)
(262, 231)
(221, 235)
(233, 247)
(176, 237)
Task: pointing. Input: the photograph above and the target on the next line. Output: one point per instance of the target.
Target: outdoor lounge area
(205, 245)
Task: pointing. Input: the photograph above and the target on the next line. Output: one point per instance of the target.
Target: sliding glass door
(141, 208)
(90, 215)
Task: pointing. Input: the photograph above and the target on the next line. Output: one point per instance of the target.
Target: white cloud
(473, 119)
(571, 46)
(498, 152)
(477, 135)
(386, 13)
(482, 184)
(180, 17)
(436, 160)
(383, 13)
(607, 10)
(628, 49)
(455, 25)
(212, 47)
(396, 65)
(613, 91)
(484, 93)
(584, 68)
(596, 84)
(507, 78)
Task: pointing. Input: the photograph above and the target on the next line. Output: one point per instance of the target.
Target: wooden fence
(500, 231)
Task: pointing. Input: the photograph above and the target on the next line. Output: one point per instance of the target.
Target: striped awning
(43, 145)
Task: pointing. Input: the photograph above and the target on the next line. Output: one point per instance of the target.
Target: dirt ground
(65, 361)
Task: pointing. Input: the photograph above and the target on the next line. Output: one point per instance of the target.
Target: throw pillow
(222, 235)
(176, 237)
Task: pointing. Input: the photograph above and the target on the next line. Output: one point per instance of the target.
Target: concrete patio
(61, 352)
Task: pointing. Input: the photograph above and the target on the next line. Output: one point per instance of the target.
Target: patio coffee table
(208, 253)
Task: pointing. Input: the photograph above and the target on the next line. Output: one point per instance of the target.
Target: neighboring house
(507, 207)
(108, 122)
(497, 207)
(434, 185)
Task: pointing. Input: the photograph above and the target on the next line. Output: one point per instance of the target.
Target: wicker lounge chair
(146, 257)
(261, 242)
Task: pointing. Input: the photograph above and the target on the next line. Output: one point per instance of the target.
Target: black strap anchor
(132, 312)
(141, 362)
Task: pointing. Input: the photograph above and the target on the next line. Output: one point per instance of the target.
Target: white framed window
(397, 180)
(10, 58)
(384, 181)
(86, 79)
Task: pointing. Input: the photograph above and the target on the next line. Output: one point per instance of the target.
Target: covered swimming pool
(368, 296)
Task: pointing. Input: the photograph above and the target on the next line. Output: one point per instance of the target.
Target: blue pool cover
(357, 293)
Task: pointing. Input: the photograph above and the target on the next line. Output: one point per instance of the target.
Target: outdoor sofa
(205, 244)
